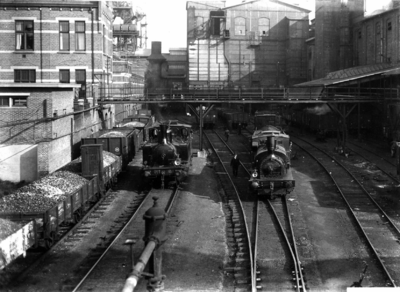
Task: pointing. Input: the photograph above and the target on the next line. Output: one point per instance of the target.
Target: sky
(167, 20)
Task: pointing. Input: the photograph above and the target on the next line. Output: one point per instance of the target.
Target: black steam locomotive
(272, 174)
(167, 154)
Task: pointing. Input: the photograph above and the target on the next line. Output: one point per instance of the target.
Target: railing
(287, 93)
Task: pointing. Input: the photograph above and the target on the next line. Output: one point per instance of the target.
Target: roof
(293, 5)
(219, 4)
(351, 74)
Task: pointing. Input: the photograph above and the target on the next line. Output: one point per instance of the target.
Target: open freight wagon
(124, 142)
(39, 221)
(141, 122)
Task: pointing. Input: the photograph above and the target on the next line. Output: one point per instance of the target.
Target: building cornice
(50, 4)
(39, 85)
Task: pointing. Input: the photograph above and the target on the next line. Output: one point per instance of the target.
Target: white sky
(167, 20)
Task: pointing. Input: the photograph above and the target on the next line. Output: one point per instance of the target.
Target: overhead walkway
(298, 94)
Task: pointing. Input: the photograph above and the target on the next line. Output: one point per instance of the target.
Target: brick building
(51, 54)
(251, 44)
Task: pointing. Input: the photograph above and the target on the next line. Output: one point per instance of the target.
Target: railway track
(104, 271)
(385, 164)
(272, 243)
(379, 231)
(280, 213)
(22, 267)
(240, 264)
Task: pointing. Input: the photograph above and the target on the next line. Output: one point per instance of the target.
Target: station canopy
(353, 75)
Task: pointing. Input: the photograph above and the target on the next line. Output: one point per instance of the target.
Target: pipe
(133, 279)
(41, 45)
(92, 45)
(229, 64)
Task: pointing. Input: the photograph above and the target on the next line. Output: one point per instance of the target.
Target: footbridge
(287, 95)
(340, 100)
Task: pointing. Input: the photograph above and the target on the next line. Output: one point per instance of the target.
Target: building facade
(51, 54)
(252, 44)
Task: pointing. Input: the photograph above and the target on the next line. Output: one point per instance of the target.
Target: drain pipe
(229, 64)
(41, 45)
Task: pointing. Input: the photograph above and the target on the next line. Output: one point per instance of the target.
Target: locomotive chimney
(271, 144)
(162, 138)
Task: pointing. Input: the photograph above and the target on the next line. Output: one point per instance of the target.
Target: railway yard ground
(194, 253)
(332, 249)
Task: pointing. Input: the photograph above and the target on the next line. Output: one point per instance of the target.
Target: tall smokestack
(156, 52)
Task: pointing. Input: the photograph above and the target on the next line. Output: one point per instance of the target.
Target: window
(25, 76)
(14, 101)
(263, 27)
(389, 25)
(4, 101)
(378, 43)
(19, 101)
(24, 35)
(80, 78)
(80, 35)
(64, 76)
(215, 25)
(176, 67)
(64, 36)
(240, 26)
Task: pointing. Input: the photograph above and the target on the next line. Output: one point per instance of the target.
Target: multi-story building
(51, 53)
(251, 44)
(128, 77)
(347, 35)
(356, 46)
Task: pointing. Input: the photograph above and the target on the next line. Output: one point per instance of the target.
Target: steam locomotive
(272, 174)
(167, 154)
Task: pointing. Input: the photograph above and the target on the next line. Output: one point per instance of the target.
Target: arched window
(263, 27)
(240, 26)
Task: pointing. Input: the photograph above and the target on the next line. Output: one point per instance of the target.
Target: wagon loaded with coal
(141, 120)
(38, 213)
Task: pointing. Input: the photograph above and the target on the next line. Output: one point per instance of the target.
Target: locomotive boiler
(272, 174)
(167, 154)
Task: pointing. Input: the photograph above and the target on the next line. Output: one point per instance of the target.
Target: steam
(318, 110)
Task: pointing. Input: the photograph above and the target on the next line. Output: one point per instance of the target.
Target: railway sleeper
(243, 281)
(235, 269)
(236, 235)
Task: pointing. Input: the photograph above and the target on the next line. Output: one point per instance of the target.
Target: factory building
(249, 45)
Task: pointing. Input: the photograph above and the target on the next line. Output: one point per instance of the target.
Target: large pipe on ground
(133, 279)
